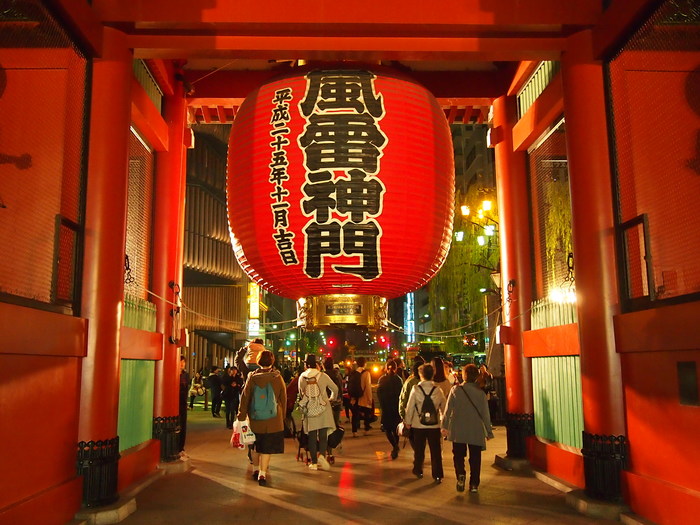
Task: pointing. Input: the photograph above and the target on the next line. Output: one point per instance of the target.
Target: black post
(98, 463)
(518, 427)
(604, 458)
(167, 431)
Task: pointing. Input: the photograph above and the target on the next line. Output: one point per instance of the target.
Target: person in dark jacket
(184, 392)
(388, 392)
(232, 384)
(214, 384)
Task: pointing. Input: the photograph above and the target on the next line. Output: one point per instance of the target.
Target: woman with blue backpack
(315, 404)
(263, 402)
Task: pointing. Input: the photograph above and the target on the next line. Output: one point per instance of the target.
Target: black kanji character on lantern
(279, 143)
(321, 240)
(278, 175)
(285, 246)
(358, 197)
(280, 113)
(362, 240)
(280, 215)
(279, 194)
(338, 90)
(279, 158)
(342, 141)
(319, 191)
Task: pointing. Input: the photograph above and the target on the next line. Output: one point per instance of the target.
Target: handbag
(297, 413)
(483, 423)
(242, 435)
(402, 430)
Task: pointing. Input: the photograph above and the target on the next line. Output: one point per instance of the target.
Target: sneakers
(262, 481)
(395, 453)
(461, 481)
(323, 463)
(256, 473)
(313, 466)
(473, 488)
(419, 475)
(438, 481)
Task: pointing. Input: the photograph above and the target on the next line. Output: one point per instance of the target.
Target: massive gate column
(604, 447)
(167, 271)
(516, 274)
(103, 275)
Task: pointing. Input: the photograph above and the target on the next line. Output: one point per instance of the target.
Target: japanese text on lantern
(284, 239)
(342, 145)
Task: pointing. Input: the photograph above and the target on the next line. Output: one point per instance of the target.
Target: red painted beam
(333, 48)
(365, 14)
(451, 88)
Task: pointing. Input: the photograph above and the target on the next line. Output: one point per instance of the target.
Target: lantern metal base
(321, 311)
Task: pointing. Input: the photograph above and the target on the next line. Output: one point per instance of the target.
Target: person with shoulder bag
(316, 407)
(425, 405)
(468, 425)
(263, 402)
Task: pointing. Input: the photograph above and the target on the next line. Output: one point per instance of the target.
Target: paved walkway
(364, 486)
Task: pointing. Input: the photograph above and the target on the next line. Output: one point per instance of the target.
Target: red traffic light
(331, 342)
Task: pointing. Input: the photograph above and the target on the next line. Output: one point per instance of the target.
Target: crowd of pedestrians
(429, 405)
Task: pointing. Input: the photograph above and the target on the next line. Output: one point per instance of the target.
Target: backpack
(428, 413)
(264, 404)
(311, 403)
(355, 384)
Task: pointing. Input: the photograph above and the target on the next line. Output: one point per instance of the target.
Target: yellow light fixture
(486, 205)
(465, 209)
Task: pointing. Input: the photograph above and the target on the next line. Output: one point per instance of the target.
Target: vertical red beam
(167, 252)
(105, 234)
(593, 236)
(516, 271)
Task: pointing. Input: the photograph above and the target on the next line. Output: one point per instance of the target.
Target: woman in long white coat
(318, 418)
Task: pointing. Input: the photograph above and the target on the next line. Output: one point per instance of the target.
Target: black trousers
(216, 404)
(360, 413)
(231, 410)
(183, 425)
(434, 439)
(459, 452)
(392, 434)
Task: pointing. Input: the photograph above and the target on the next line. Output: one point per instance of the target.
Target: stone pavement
(364, 486)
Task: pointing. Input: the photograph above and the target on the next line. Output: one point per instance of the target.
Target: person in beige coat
(269, 433)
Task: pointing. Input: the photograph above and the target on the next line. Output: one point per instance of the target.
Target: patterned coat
(325, 419)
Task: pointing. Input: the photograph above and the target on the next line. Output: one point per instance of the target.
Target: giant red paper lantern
(340, 181)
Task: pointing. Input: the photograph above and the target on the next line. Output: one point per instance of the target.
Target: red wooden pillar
(516, 273)
(595, 268)
(168, 231)
(103, 268)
